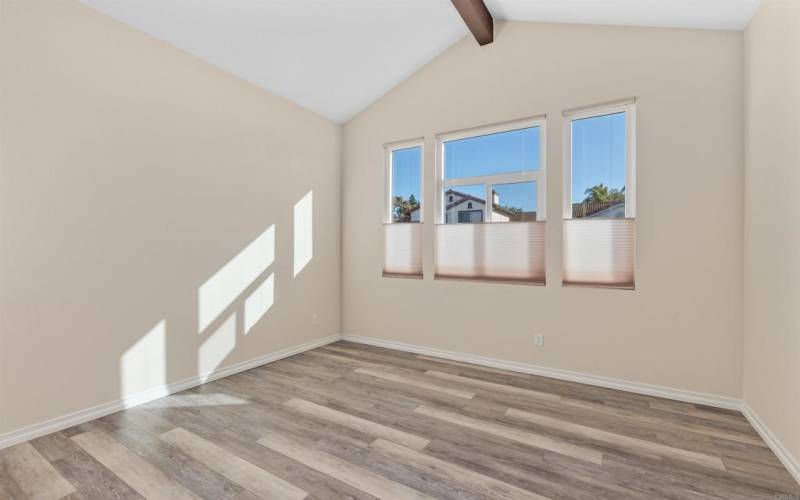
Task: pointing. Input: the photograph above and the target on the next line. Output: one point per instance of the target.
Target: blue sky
(598, 153)
(598, 156)
(406, 172)
(514, 151)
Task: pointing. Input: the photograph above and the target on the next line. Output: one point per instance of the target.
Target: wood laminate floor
(352, 421)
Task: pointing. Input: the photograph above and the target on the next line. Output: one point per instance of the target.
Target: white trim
(390, 148)
(594, 109)
(509, 178)
(541, 182)
(493, 128)
(629, 108)
(404, 144)
(440, 203)
(566, 169)
(630, 166)
(81, 416)
(791, 463)
(725, 402)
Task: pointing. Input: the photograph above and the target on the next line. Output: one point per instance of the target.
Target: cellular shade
(510, 251)
(599, 252)
(402, 249)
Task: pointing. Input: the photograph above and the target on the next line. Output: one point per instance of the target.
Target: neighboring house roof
(469, 197)
(613, 212)
(589, 208)
(464, 197)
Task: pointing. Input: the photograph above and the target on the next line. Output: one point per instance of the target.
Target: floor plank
(422, 384)
(491, 386)
(231, 466)
(470, 366)
(145, 478)
(35, 476)
(617, 439)
(528, 438)
(633, 416)
(484, 485)
(92, 479)
(358, 423)
(347, 473)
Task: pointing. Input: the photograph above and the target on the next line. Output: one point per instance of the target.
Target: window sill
(489, 279)
(614, 286)
(402, 275)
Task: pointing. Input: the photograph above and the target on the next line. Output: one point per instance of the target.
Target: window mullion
(493, 179)
(489, 205)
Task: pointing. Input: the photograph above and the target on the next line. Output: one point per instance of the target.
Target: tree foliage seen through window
(603, 194)
(402, 208)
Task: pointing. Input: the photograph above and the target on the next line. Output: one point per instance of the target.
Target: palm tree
(402, 208)
(602, 194)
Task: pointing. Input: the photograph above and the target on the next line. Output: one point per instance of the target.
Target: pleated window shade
(599, 252)
(509, 252)
(402, 249)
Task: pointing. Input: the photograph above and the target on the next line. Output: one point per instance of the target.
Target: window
(487, 164)
(402, 228)
(600, 196)
(470, 216)
(488, 176)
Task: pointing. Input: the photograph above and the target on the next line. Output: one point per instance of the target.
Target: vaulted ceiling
(335, 57)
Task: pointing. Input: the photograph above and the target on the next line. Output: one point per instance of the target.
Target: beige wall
(682, 326)
(772, 219)
(130, 173)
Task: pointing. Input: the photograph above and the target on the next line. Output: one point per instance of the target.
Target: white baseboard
(81, 416)
(786, 458)
(556, 373)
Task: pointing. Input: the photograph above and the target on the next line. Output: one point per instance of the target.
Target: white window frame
(627, 106)
(391, 148)
(538, 176)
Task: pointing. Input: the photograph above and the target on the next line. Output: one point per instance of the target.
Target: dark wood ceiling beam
(477, 18)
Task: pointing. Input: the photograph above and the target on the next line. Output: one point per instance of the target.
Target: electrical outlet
(539, 340)
(315, 319)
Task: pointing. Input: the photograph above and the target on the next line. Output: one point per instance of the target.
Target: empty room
(400, 249)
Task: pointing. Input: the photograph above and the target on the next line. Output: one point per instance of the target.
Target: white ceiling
(335, 57)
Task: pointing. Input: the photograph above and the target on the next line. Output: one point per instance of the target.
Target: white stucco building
(463, 208)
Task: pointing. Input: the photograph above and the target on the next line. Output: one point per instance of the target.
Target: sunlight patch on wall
(144, 365)
(303, 232)
(230, 281)
(259, 302)
(216, 348)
